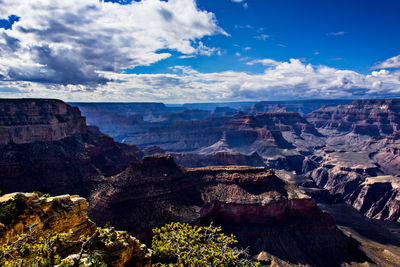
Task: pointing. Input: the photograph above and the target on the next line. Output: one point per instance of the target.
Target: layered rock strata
(50, 149)
(28, 120)
(43, 216)
(364, 117)
(251, 202)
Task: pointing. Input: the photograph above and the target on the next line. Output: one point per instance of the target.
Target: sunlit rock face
(365, 117)
(43, 216)
(28, 120)
(359, 161)
(45, 145)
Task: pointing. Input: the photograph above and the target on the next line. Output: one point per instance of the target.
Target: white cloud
(280, 80)
(391, 63)
(243, 26)
(75, 51)
(262, 37)
(237, 1)
(247, 48)
(59, 42)
(186, 56)
(265, 62)
(335, 33)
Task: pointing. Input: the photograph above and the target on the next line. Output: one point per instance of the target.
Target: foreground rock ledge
(61, 214)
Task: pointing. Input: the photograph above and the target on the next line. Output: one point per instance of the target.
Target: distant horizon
(195, 103)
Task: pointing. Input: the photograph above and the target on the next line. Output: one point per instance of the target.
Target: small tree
(181, 244)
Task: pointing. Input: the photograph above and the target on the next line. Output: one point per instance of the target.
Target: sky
(181, 51)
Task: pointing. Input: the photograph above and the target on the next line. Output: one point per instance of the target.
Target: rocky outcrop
(43, 216)
(378, 198)
(28, 120)
(267, 134)
(364, 117)
(47, 215)
(149, 111)
(357, 179)
(68, 158)
(301, 107)
(220, 158)
(251, 202)
(198, 114)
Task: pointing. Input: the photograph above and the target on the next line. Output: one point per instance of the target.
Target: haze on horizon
(181, 51)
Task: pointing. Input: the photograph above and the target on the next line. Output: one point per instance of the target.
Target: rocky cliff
(302, 107)
(364, 117)
(268, 134)
(37, 218)
(378, 197)
(48, 147)
(220, 158)
(360, 146)
(271, 216)
(28, 120)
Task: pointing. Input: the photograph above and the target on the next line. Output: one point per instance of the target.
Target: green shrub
(40, 194)
(180, 244)
(12, 209)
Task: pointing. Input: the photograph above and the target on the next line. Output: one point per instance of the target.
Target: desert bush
(12, 209)
(180, 244)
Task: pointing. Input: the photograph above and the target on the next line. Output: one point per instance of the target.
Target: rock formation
(378, 197)
(42, 216)
(361, 147)
(47, 147)
(220, 158)
(50, 149)
(364, 117)
(28, 120)
(47, 215)
(262, 133)
(302, 107)
(251, 202)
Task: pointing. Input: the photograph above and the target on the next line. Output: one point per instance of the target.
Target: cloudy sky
(180, 51)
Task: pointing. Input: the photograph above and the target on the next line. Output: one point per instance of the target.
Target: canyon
(251, 202)
(334, 145)
(194, 166)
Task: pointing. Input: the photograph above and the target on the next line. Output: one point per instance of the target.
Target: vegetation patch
(12, 209)
(180, 244)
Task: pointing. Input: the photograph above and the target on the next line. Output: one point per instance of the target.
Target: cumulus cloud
(285, 80)
(391, 63)
(282, 80)
(77, 51)
(66, 43)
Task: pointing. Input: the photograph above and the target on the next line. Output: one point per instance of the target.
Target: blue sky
(199, 51)
(343, 34)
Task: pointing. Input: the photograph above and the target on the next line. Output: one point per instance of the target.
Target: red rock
(28, 120)
(50, 149)
(251, 202)
(366, 117)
